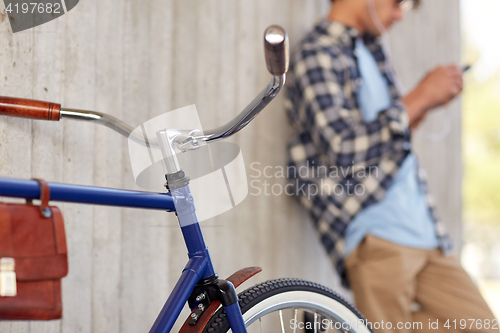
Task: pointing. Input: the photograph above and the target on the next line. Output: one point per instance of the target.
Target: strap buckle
(8, 284)
(45, 210)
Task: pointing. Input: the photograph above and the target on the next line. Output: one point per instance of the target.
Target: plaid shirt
(338, 163)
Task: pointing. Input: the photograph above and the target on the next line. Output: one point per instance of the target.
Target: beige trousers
(387, 279)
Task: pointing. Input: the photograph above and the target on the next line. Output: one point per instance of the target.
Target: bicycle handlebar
(28, 108)
(276, 48)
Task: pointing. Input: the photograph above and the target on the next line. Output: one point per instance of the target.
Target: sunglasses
(407, 5)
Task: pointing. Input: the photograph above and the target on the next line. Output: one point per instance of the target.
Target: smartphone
(466, 68)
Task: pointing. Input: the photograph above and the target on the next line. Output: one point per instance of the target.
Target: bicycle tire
(274, 295)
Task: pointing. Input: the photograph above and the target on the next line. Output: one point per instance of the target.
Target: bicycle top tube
(30, 189)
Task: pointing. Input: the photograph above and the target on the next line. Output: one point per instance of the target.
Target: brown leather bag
(33, 259)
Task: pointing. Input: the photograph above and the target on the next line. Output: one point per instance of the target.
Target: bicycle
(215, 305)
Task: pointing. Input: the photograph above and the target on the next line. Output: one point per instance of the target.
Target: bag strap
(45, 210)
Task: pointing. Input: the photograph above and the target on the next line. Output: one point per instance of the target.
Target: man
(363, 187)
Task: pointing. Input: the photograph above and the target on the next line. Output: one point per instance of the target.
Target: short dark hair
(417, 3)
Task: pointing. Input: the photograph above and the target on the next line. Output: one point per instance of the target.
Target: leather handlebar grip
(29, 108)
(277, 50)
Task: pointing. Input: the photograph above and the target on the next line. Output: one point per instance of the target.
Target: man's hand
(437, 88)
(441, 85)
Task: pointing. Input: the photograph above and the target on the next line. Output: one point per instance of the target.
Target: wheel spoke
(295, 320)
(314, 324)
(282, 324)
(260, 323)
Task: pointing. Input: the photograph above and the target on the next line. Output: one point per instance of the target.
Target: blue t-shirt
(403, 216)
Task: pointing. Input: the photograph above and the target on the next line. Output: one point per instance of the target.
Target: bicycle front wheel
(280, 306)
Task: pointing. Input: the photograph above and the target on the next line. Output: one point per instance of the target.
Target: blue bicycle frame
(199, 266)
(199, 269)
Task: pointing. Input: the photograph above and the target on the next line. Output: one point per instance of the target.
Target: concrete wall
(139, 59)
